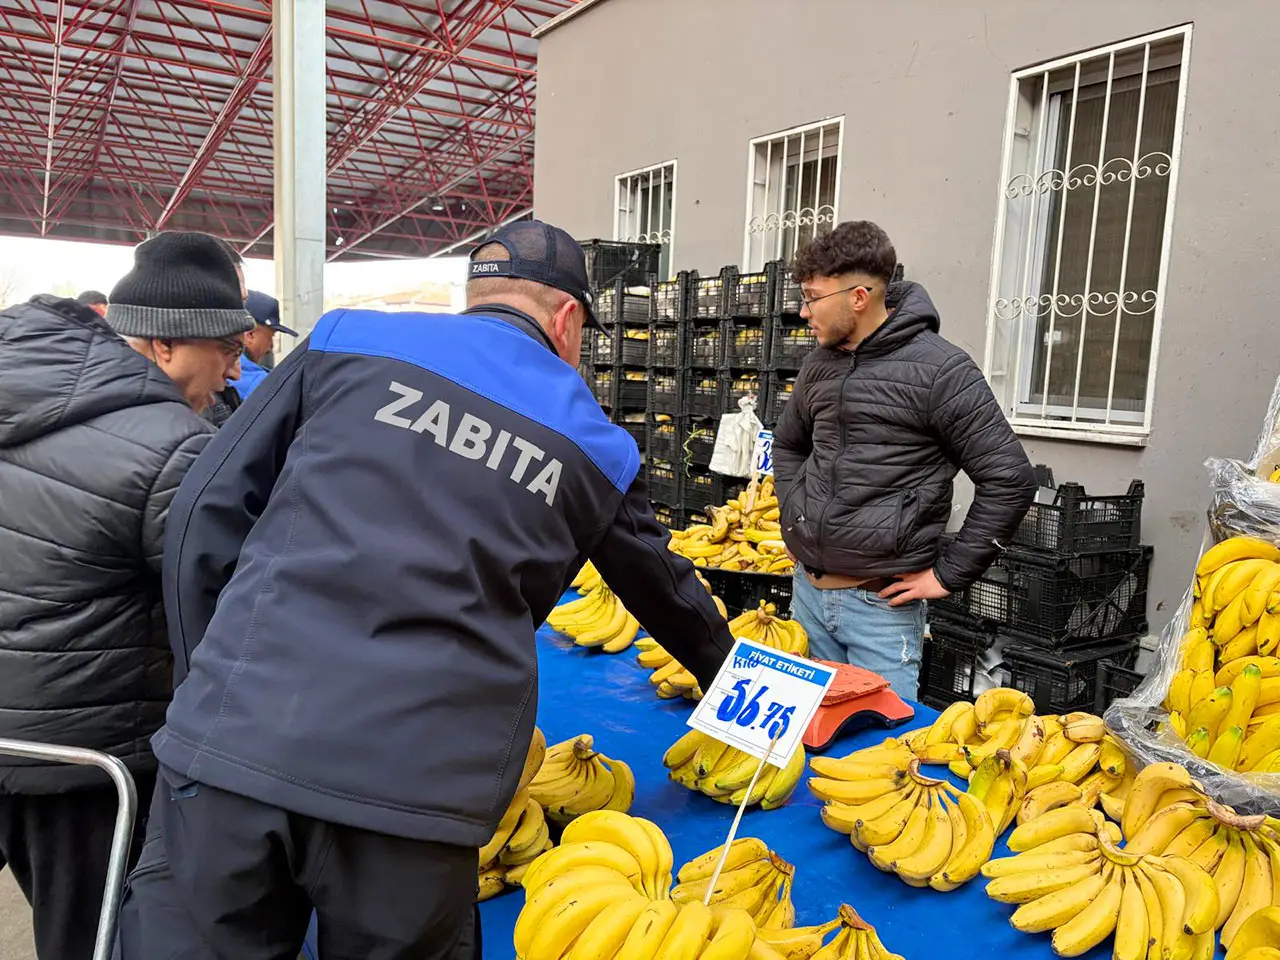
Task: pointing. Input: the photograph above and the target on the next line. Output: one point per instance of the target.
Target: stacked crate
(1066, 600)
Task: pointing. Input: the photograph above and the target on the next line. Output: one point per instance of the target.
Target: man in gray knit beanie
(180, 307)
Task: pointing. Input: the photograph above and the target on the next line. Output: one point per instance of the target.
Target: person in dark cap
(95, 301)
(353, 578)
(94, 439)
(180, 307)
(265, 309)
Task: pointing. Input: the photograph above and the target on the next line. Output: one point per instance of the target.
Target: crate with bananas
(597, 619)
(575, 778)
(714, 769)
(605, 893)
(522, 834)
(745, 534)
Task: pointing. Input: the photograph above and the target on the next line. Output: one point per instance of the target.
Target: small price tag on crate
(762, 701)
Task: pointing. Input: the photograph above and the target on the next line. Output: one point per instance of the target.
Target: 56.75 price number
(737, 709)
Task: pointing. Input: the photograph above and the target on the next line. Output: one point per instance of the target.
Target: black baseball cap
(266, 310)
(543, 254)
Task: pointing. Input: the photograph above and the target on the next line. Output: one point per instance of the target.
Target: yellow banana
(1051, 826)
(1133, 930)
(1048, 797)
(604, 935)
(931, 856)
(1256, 935)
(889, 825)
(743, 851)
(1229, 878)
(1255, 889)
(1148, 788)
(1163, 827)
(968, 855)
(648, 932)
(557, 892)
(732, 933)
(1236, 548)
(1097, 921)
(570, 856)
(1083, 727)
(1059, 906)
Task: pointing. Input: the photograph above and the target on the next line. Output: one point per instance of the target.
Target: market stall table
(609, 696)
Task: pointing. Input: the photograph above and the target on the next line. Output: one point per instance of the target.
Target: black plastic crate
(706, 297)
(699, 490)
(603, 387)
(702, 397)
(664, 482)
(664, 346)
(745, 385)
(664, 440)
(632, 394)
(1076, 522)
(749, 294)
(700, 442)
(745, 345)
(706, 347)
(952, 663)
(664, 393)
(779, 393)
(1065, 681)
(726, 488)
(1114, 681)
(602, 351)
(743, 590)
(669, 517)
(622, 304)
(611, 260)
(668, 298)
(789, 344)
(637, 429)
(1060, 601)
(588, 354)
(634, 349)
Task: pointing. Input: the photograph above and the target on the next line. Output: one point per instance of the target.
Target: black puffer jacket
(866, 451)
(94, 440)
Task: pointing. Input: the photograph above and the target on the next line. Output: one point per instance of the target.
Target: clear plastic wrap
(1243, 502)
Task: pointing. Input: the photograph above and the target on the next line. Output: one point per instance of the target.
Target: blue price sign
(761, 695)
(762, 454)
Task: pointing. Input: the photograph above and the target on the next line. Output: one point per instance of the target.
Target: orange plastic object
(855, 693)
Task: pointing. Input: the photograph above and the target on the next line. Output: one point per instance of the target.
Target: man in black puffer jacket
(882, 416)
(95, 437)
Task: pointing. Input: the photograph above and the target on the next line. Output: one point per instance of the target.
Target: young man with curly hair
(884, 414)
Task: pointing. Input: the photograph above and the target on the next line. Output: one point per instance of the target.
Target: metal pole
(121, 838)
(300, 139)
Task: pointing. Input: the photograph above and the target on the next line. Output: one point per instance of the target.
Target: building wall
(923, 87)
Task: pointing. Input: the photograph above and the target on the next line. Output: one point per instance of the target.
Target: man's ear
(861, 298)
(162, 350)
(562, 323)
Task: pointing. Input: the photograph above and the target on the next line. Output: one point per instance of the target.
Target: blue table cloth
(609, 696)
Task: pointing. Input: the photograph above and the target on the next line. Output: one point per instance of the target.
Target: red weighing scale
(857, 697)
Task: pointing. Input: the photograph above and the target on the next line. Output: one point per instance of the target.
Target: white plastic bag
(736, 440)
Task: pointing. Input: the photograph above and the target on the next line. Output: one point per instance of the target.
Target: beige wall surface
(923, 87)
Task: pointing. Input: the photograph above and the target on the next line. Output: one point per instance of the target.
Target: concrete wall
(923, 86)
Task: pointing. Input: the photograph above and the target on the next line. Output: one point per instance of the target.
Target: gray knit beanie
(182, 286)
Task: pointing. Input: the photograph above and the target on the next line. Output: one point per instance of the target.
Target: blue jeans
(856, 626)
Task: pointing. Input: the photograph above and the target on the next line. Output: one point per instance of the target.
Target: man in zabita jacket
(353, 576)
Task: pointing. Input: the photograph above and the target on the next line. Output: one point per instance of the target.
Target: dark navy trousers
(223, 877)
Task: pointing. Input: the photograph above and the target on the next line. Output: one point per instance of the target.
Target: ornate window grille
(644, 209)
(793, 181)
(1087, 191)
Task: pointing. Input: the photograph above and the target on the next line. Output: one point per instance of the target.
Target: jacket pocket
(908, 518)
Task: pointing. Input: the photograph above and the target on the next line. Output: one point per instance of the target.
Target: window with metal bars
(793, 182)
(645, 210)
(1082, 237)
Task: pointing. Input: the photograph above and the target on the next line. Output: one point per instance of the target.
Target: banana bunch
(670, 678)
(764, 626)
(1228, 684)
(857, 940)
(1258, 937)
(575, 779)
(1069, 876)
(522, 834)
(597, 618)
(604, 894)
(924, 830)
(1168, 815)
(742, 535)
(723, 773)
(754, 879)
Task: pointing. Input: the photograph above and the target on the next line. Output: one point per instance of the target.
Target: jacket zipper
(844, 439)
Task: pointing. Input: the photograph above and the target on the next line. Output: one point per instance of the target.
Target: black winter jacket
(94, 440)
(868, 446)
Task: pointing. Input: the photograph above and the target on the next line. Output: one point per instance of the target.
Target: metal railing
(118, 862)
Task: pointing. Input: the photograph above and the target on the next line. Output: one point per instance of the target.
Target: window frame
(626, 178)
(783, 135)
(1124, 428)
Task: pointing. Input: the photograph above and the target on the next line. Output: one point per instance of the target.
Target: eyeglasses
(231, 347)
(810, 301)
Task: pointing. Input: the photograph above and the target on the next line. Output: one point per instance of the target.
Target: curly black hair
(856, 246)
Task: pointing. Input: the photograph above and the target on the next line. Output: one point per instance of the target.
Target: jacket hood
(911, 314)
(60, 364)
